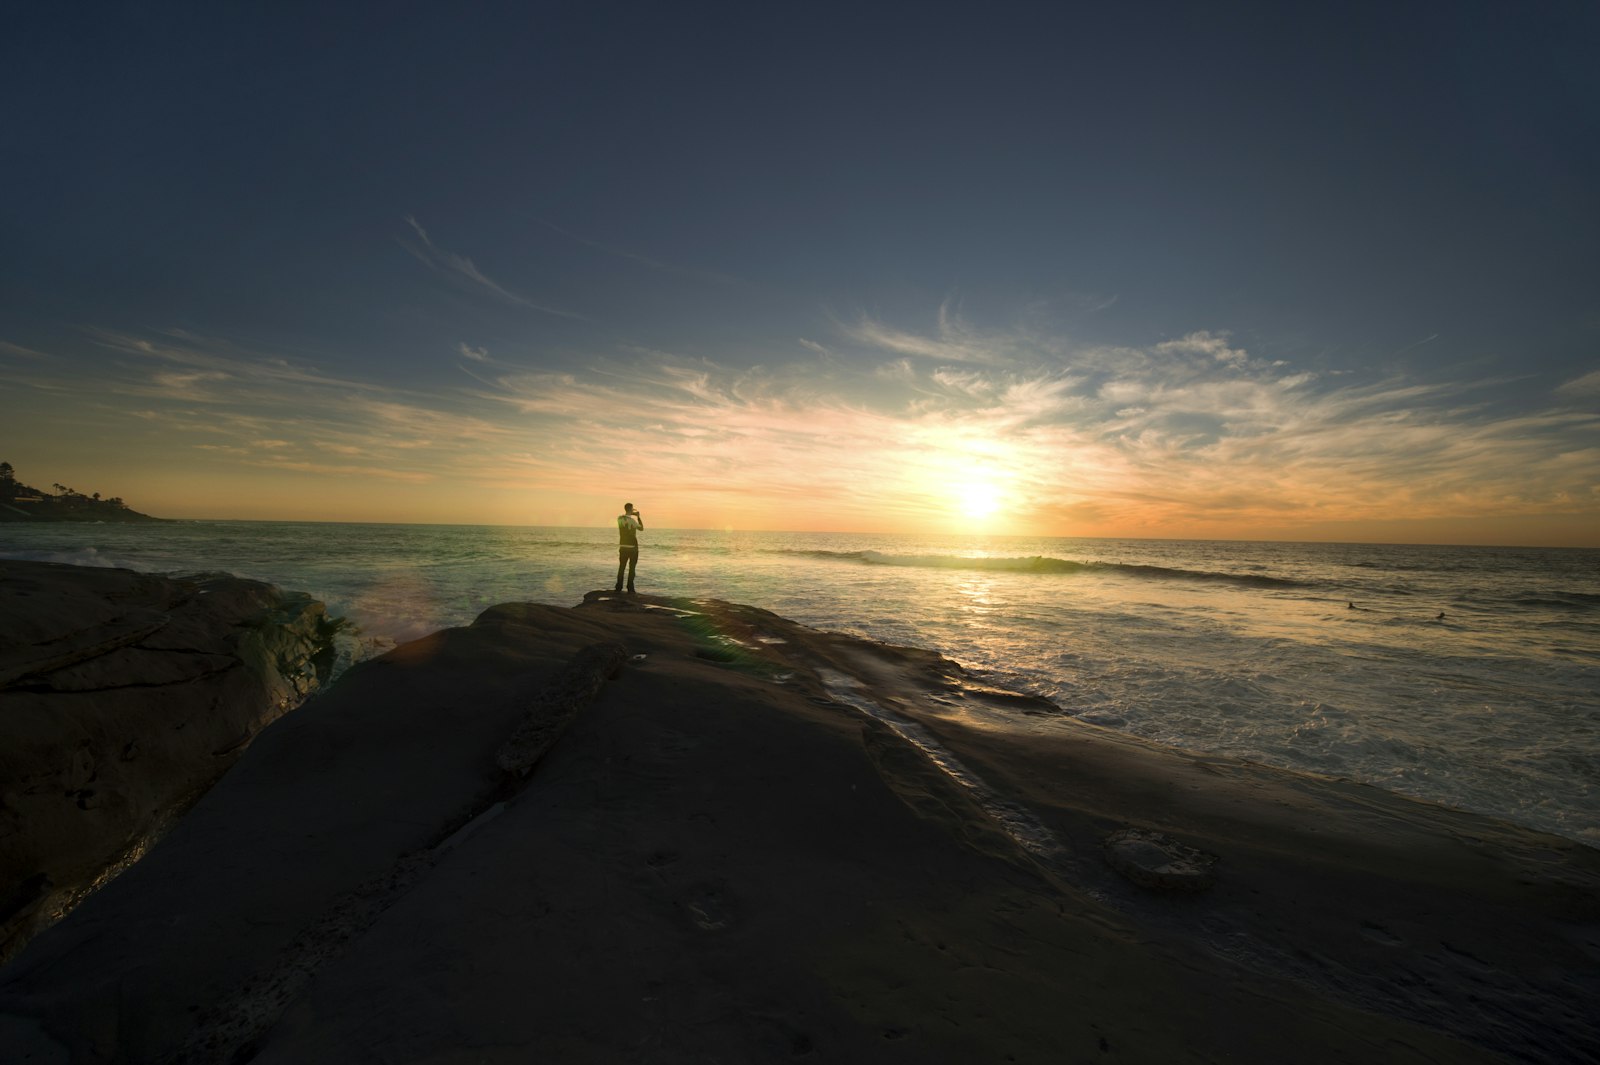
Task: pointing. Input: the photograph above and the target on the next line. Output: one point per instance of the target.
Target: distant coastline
(56, 512)
(24, 503)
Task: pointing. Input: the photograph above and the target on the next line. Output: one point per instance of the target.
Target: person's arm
(639, 518)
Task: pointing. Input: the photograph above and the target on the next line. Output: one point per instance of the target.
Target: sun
(969, 489)
(978, 499)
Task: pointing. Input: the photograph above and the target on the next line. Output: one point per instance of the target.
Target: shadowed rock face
(756, 841)
(123, 696)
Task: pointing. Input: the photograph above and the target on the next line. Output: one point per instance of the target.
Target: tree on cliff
(66, 504)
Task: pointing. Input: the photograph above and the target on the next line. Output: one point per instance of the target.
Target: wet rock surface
(1153, 860)
(123, 696)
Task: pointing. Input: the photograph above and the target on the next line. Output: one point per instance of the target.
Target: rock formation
(123, 696)
(756, 842)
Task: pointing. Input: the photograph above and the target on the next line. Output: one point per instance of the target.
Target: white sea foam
(83, 556)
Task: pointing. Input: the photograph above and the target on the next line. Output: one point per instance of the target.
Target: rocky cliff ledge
(681, 830)
(123, 696)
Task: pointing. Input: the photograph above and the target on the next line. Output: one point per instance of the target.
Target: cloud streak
(8, 348)
(462, 268)
(953, 340)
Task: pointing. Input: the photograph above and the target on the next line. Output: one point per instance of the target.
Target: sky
(1324, 271)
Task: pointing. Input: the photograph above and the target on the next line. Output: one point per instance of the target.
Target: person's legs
(622, 563)
(633, 564)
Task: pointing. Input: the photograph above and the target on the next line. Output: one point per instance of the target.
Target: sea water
(1468, 676)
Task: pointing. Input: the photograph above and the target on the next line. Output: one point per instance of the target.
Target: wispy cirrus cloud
(463, 268)
(1585, 386)
(182, 359)
(274, 413)
(8, 348)
(953, 340)
(1203, 342)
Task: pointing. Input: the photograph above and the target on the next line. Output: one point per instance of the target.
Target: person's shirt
(628, 527)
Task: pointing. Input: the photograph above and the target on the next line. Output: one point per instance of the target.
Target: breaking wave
(1047, 565)
(83, 556)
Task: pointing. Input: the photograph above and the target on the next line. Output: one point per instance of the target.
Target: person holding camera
(629, 524)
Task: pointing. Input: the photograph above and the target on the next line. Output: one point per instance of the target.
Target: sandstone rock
(123, 696)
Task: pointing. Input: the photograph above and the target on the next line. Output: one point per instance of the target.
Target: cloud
(969, 382)
(475, 354)
(1176, 437)
(953, 340)
(212, 359)
(1187, 431)
(460, 266)
(1214, 345)
(277, 411)
(388, 473)
(1413, 346)
(8, 348)
(188, 385)
(1193, 430)
(1587, 385)
(899, 370)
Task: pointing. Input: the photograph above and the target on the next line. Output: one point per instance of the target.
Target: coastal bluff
(683, 830)
(24, 503)
(123, 696)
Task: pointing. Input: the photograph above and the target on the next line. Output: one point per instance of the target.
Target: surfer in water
(629, 524)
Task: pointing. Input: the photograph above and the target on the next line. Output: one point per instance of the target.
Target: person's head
(627, 508)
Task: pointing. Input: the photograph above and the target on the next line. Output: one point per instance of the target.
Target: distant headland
(21, 502)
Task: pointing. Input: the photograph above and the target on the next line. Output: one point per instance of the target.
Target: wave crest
(1044, 564)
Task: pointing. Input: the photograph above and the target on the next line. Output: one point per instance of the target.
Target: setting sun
(977, 491)
(979, 499)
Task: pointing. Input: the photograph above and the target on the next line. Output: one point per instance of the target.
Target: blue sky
(1323, 271)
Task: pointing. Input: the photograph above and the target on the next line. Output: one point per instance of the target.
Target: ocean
(1328, 658)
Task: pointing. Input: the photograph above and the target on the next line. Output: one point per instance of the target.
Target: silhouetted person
(629, 524)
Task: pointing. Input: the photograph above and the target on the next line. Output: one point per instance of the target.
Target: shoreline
(759, 840)
(1462, 712)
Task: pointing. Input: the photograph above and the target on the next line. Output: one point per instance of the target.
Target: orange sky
(949, 429)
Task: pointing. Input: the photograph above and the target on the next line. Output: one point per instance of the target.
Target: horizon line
(916, 535)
